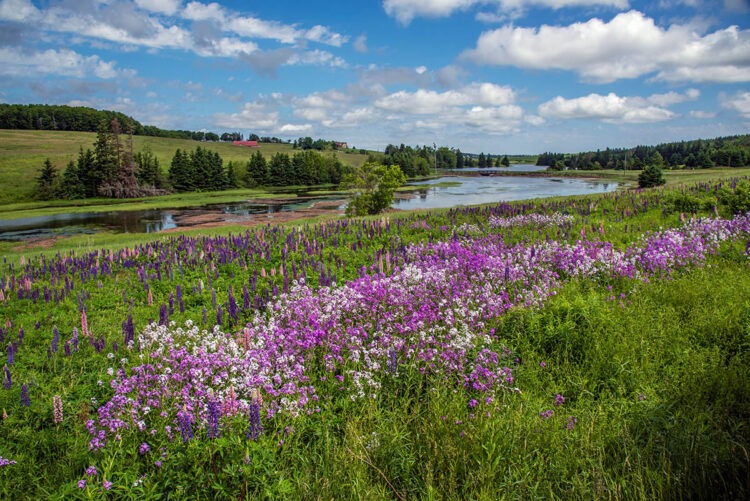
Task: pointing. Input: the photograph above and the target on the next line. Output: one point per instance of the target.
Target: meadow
(580, 348)
(23, 152)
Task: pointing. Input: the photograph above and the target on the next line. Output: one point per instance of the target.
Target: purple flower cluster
(429, 315)
(6, 462)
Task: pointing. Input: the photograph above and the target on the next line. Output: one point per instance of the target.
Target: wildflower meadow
(579, 348)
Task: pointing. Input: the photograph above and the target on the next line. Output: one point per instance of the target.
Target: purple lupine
(7, 380)
(546, 414)
(75, 339)
(214, 414)
(232, 308)
(185, 420)
(392, 361)
(55, 339)
(11, 352)
(25, 400)
(163, 316)
(255, 427)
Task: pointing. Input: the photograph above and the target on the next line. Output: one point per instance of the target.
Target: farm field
(22, 153)
(573, 348)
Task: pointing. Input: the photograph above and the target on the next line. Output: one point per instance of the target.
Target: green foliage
(148, 169)
(373, 185)
(257, 170)
(651, 175)
(46, 182)
(737, 198)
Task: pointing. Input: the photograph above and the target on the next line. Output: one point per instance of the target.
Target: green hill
(22, 153)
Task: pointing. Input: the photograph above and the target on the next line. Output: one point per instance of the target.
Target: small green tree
(505, 162)
(46, 182)
(257, 170)
(373, 186)
(651, 175)
(72, 186)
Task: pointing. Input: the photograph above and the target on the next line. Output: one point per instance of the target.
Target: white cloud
(167, 7)
(428, 101)
(702, 114)
(162, 24)
(628, 46)
(254, 116)
(616, 109)
(739, 102)
(63, 62)
(406, 10)
(18, 10)
(360, 44)
(294, 128)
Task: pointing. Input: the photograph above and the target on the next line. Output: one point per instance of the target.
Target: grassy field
(22, 154)
(591, 347)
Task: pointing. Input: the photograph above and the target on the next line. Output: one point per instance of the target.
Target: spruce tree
(46, 182)
(257, 170)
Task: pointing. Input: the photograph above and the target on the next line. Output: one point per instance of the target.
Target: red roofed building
(252, 144)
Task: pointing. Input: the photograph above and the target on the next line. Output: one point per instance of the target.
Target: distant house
(251, 144)
(340, 146)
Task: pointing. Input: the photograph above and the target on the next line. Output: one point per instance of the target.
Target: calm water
(481, 190)
(471, 190)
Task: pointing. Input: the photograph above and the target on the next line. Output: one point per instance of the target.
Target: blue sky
(498, 76)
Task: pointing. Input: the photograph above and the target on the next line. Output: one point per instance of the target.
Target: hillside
(22, 153)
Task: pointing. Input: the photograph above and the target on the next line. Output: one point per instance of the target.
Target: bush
(651, 176)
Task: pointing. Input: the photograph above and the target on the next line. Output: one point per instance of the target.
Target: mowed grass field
(22, 153)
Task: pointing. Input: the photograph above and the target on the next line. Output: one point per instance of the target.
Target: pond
(427, 195)
(482, 189)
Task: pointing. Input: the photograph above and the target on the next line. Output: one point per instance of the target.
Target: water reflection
(461, 191)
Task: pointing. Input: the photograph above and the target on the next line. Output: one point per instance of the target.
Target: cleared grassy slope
(22, 153)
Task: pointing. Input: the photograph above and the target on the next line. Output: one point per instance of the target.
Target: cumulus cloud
(208, 30)
(628, 46)
(428, 101)
(406, 10)
(167, 7)
(616, 109)
(739, 102)
(63, 62)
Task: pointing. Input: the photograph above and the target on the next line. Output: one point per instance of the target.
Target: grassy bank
(475, 353)
(22, 154)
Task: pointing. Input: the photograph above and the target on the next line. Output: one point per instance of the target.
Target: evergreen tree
(459, 159)
(107, 152)
(72, 187)
(257, 170)
(505, 162)
(482, 160)
(232, 181)
(85, 166)
(280, 170)
(181, 172)
(651, 175)
(148, 171)
(46, 182)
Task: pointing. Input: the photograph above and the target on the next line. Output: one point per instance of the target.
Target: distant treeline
(84, 119)
(419, 160)
(732, 151)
